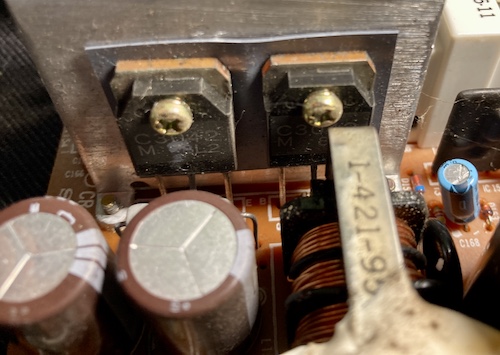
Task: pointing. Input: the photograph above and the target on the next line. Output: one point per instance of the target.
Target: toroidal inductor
(318, 265)
(319, 297)
(414, 260)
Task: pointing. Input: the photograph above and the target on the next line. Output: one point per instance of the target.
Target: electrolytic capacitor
(458, 179)
(188, 261)
(53, 257)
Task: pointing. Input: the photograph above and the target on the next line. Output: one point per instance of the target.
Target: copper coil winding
(406, 234)
(322, 274)
(318, 326)
(407, 239)
(324, 237)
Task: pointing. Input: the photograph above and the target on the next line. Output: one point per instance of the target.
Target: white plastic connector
(466, 56)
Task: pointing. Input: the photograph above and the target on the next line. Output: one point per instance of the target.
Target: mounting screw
(171, 117)
(110, 204)
(322, 108)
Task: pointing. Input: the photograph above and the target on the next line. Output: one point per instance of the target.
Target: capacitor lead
(188, 261)
(458, 180)
(486, 214)
(436, 211)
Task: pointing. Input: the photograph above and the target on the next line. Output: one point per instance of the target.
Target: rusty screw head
(171, 117)
(322, 108)
(110, 204)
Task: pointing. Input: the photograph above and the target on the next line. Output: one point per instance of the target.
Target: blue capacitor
(458, 179)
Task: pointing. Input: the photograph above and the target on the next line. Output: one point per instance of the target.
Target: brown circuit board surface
(70, 180)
